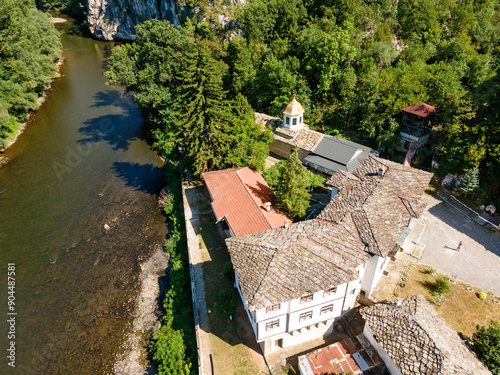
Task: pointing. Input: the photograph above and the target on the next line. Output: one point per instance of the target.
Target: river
(77, 216)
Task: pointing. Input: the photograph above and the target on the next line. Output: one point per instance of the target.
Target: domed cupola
(293, 118)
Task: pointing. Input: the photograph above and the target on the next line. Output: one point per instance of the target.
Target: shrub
(441, 286)
(481, 295)
(431, 271)
(486, 344)
(229, 272)
(226, 302)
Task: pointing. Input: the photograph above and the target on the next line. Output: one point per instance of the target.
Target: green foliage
(292, 187)
(29, 51)
(470, 182)
(441, 286)
(169, 351)
(173, 346)
(226, 303)
(481, 295)
(229, 271)
(486, 344)
(75, 8)
(273, 174)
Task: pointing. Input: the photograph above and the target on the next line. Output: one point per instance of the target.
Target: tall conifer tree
(292, 189)
(470, 182)
(204, 120)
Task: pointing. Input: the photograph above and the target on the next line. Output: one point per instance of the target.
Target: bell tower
(293, 116)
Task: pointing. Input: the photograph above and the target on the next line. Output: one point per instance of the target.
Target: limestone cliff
(117, 19)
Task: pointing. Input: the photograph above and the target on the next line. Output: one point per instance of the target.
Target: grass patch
(459, 307)
(228, 338)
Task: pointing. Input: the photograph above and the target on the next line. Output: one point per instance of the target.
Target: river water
(77, 216)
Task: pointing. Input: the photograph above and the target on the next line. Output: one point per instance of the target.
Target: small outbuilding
(415, 128)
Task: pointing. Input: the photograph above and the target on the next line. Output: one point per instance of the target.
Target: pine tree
(204, 119)
(470, 182)
(292, 189)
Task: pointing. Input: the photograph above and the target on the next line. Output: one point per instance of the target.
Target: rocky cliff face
(117, 19)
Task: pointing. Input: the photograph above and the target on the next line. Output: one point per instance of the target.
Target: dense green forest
(29, 51)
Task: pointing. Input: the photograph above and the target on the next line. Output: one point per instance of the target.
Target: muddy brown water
(81, 163)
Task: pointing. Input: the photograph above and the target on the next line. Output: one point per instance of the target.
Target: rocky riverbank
(153, 282)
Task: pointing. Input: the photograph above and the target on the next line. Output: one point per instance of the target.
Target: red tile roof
(339, 357)
(422, 110)
(239, 196)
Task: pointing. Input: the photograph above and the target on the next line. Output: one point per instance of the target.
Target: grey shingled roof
(336, 154)
(418, 339)
(284, 263)
(379, 207)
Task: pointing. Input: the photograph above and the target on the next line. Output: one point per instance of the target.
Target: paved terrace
(478, 261)
(192, 217)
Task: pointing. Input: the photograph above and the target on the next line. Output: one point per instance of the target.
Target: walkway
(192, 217)
(478, 261)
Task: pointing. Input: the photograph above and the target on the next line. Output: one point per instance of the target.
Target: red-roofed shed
(239, 196)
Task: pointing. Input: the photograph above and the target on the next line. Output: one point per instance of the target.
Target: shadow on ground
(143, 177)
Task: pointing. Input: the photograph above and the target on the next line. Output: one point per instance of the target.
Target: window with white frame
(273, 308)
(326, 309)
(306, 298)
(305, 316)
(294, 121)
(330, 291)
(272, 325)
(287, 120)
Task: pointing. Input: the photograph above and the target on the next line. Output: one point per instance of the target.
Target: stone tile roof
(239, 196)
(343, 179)
(419, 341)
(379, 206)
(304, 139)
(284, 263)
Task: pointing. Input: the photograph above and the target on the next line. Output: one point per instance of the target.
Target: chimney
(268, 206)
(286, 224)
(381, 171)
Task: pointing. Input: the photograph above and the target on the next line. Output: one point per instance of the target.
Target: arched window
(294, 122)
(300, 120)
(287, 120)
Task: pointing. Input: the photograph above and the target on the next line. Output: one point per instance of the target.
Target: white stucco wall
(374, 269)
(299, 125)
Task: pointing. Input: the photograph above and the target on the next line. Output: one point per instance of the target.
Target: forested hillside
(353, 64)
(29, 50)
